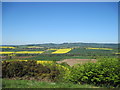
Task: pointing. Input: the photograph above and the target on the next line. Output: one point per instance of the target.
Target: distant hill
(101, 45)
(69, 45)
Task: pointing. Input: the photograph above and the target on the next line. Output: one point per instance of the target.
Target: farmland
(74, 63)
(64, 50)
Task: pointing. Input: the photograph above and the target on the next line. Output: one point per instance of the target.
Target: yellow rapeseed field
(7, 47)
(60, 51)
(117, 53)
(7, 52)
(101, 48)
(23, 52)
(29, 52)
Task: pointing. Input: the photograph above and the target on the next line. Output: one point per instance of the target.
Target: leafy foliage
(30, 69)
(106, 72)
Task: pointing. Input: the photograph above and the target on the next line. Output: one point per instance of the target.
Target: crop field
(101, 48)
(77, 65)
(55, 54)
(7, 47)
(61, 51)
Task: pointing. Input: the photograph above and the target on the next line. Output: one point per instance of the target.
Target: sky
(59, 22)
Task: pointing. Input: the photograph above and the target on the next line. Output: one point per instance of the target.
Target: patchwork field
(77, 65)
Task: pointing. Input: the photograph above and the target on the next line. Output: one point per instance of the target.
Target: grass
(46, 58)
(55, 57)
(51, 58)
(35, 84)
(89, 52)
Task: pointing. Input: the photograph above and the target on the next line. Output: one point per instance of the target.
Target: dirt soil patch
(71, 62)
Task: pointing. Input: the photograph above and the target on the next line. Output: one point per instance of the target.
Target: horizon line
(65, 42)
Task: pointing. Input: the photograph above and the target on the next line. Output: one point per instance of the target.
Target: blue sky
(50, 22)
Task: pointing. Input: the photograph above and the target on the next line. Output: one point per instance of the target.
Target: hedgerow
(105, 72)
(30, 69)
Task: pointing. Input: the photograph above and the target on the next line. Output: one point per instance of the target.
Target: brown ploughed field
(71, 62)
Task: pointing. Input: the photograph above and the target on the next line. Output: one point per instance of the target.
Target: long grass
(35, 84)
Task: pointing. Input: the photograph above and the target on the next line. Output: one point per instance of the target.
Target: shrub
(30, 69)
(104, 72)
(64, 64)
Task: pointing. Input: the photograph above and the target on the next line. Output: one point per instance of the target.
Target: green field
(76, 53)
(6, 83)
(56, 57)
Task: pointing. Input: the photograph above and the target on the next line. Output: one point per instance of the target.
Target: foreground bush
(30, 69)
(106, 72)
